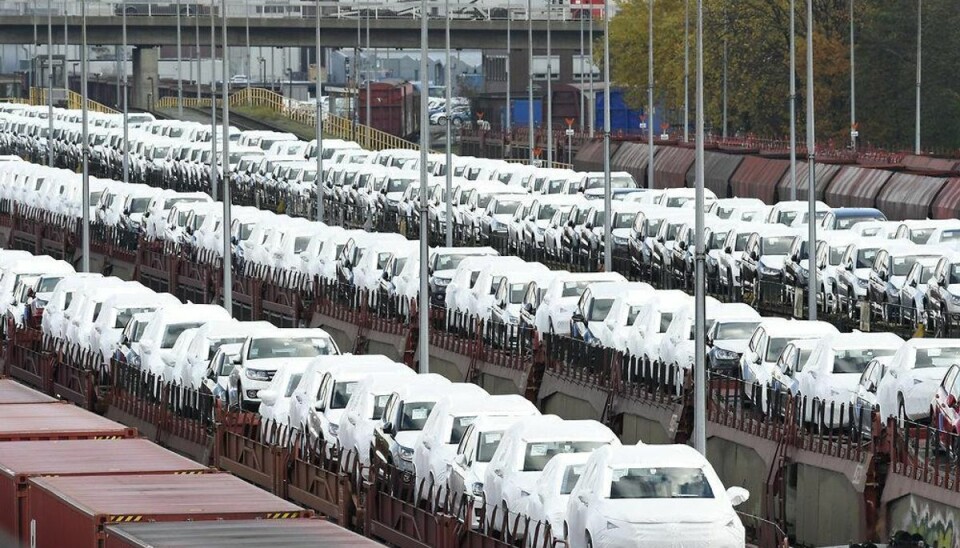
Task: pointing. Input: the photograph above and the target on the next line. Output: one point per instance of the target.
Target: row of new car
(446, 436)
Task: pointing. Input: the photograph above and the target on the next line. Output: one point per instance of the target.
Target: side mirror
(588, 226)
(268, 397)
(942, 282)
(951, 400)
(578, 317)
(754, 255)
(681, 245)
(318, 407)
(529, 308)
(728, 250)
(737, 495)
(872, 387)
(388, 428)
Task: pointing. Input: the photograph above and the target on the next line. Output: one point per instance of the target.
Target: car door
(877, 284)
(941, 404)
(579, 506)
(911, 284)
(461, 463)
(753, 357)
(383, 434)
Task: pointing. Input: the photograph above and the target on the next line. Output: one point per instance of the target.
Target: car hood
(334, 415)
(621, 232)
(407, 438)
(446, 274)
(273, 364)
(773, 261)
(927, 374)
(681, 510)
(862, 273)
(738, 345)
(954, 289)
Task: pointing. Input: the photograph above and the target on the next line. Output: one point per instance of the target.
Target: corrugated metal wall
(757, 177)
(907, 196)
(670, 167)
(632, 158)
(947, 204)
(823, 173)
(931, 165)
(856, 187)
(590, 156)
(717, 170)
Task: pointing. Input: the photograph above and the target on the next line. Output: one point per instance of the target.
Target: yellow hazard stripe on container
(283, 515)
(108, 438)
(184, 472)
(125, 519)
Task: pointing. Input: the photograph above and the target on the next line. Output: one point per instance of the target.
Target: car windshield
(920, 235)
(741, 242)
(633, 313)
(173, 331)
(124, 315)
(506, 207)
(300, 244)
(536, 455)
(836, 254)
(902, 265)
(546, 211)
(448, 261)
(731, 331)
(937, 357)
(139, 205)
(865, 258)
(653, 226)
(517, 292)
(599, 309)
(138, 331)
(624, 220)
(460, 425)
(487, 445)
(47, 285)
(950, 236)
(341, 394)
(954, 274)
(659, 483)
(856, 360)
(665, 319)
(398, 185)
(846, 222)
(574, 289)
(716, 240)
(570, 477)
(776, 245)
(677, 201)
(775, 347)
(283, 347)
(414, 415)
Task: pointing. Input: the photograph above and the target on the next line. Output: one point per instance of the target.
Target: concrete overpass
(294, 32)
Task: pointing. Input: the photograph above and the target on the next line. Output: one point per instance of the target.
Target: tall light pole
(593, 111)
(793, 100)
(227, 255)
(916, 138)
(530, 136)
(724, 71)
(85, 145)
(246, 14)
(649, 96)
(424, 307)
(319, 124)
(126, 100)
(179, 67)
(213, 109)
(686, 71)
(582, 59)
(549, 96)
(50, 78)
(607, 192)
(196, 49)
(448, 190)
(700, 304)
(811, 172)
(853, 85)
(509, 81)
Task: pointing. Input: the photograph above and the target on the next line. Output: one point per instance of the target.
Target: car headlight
(524, 493)
(333, 428)
(620, 240)
(722, 354)
(955, 299)
(477, 489)
(257, 374)
(441, 282)
(863, 282)
(406, 453)
(766, 270)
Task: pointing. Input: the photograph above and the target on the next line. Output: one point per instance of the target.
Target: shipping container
(757, 177)
(907, 196)
(520, 115)
(567, 105)
(590, 155)
(670, 167)
(823, 175)
(62, 421)
(856, 187)
(494, 109)
(633, 158)
(298, 533)
(394, 108)
(13, 392)
(718, 168)
(947, 204)
(928, 165)
(22, 460)
(73, 510)
(623, 118)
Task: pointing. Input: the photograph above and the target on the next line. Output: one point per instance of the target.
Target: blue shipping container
(520, 115)
(622, 117)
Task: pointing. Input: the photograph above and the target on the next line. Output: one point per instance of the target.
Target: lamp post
(793, 100)
(448, 190)
(549, 96)
(318, 184)
(509, 81)
(179, 67)
(811, 172)
(126, 100)
(213, 111)
(650, 150)
(853, 85)
(607, 191)
(686, 71)
(227, 252)
(424, 306)
(85, 144)
(530, 135)
(700, 308)
(50, 78)
(916, 138)
(196, 48)
(248, 70)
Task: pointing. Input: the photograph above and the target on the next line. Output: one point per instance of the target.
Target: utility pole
(549, 97)
(793, 100)
(650, 150)
(530, 135)
(853, 85)
(811, 172)
(85, 145)
(509, 81)
(607, 192)
(686, 71)
(319, 125)
(126, 100)
(448, 190)
(424, 307)
(700, 304)
(50, 78)
(213, 108)
(916, 138)
(227, 255)
(179, 68)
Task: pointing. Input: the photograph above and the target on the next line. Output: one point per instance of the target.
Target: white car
(82, 312)
(469, 466)
(209, 338)
(443, 263)
(830, 376)
(54, 320)
(561, 297)
(165, 327)
(364, 413)
(790, 212)
(274, 407)
(548, 502)
(912, 377)
(480, 298)
(117, 311)
(596, 303)
(458, 299)
(437, 444)
(767, 343)
(642, 338)
(263, 354)
(337, 385)
(730, 255)
(525, 450)
(676, 197)
(666, 495)
(677, 346)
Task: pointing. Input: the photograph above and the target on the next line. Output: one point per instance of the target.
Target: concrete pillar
(145, 78)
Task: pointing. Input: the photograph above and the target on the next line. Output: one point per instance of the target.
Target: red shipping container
(22, 460)
(72, 511)
(315, 533)
(394, 107)
(31, 422)
(670, 166)
(947, 204)
(13, 392)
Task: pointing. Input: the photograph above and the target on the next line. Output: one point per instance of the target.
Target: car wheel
(441, 120)
(457, 122)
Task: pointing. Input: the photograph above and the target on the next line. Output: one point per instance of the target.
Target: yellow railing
(336, 126)
(38, 97)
